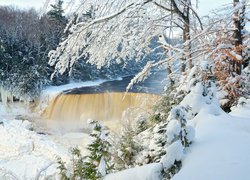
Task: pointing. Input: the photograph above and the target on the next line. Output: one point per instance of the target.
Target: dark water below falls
(153, 85)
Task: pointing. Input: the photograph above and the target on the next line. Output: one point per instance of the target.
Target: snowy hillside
(220, 150)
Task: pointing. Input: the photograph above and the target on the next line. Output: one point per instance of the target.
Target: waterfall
(105, 107)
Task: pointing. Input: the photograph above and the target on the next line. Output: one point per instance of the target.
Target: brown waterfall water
(108, 108)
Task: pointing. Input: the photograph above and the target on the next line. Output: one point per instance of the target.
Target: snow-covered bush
(153, 144)
(178, 136)
(95, 165)
(168, 134)
(165, 142)
(246, 85)
(169, 99)
(199, 78)
(125, 148)
(230, 85)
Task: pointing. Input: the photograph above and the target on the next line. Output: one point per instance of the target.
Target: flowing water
(105, 107)
(108, 103)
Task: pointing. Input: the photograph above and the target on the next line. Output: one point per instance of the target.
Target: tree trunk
(237, 35)
(184, 15)
(186, 40)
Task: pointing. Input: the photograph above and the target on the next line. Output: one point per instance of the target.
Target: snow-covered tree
(179, 136)
(106, 40)
(227, 47)
(26, 39)
(23, 69)
(239, 23)
(125, 149)
(57, 11)
(97, 163)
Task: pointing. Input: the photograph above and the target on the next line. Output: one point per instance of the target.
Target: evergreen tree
(127, 148)
(179, 136)
(57, 11)
(95, 165)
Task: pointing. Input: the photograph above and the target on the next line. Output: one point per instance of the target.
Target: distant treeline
(25, 41)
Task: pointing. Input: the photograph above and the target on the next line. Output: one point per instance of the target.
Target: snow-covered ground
(220, 150)
(29, 152)
(242, 110)
(28, 148)
(147, 172)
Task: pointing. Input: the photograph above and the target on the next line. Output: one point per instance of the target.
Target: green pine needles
(57, 12)
(95, 165)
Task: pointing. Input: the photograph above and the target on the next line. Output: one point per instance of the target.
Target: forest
(69, 65)
(26, 40)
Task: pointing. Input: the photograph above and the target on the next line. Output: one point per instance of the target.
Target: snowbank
(147, 172)
(28, 155)
(220, 150)
(25, 153)
(242, 109)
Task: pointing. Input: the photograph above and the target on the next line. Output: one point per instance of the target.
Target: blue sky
(204, 6)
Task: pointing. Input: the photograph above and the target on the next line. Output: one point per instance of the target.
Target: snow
(237, 56)
(242, 109)
(5, 96)
(173, 130)
(204, 65)
(102, 167)
(24, 152)
(27, 154)
(12, 111)
(221, 147)
(147, 172)
(195, 100)
(177, 113)
(190, 133)
(174, 153)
